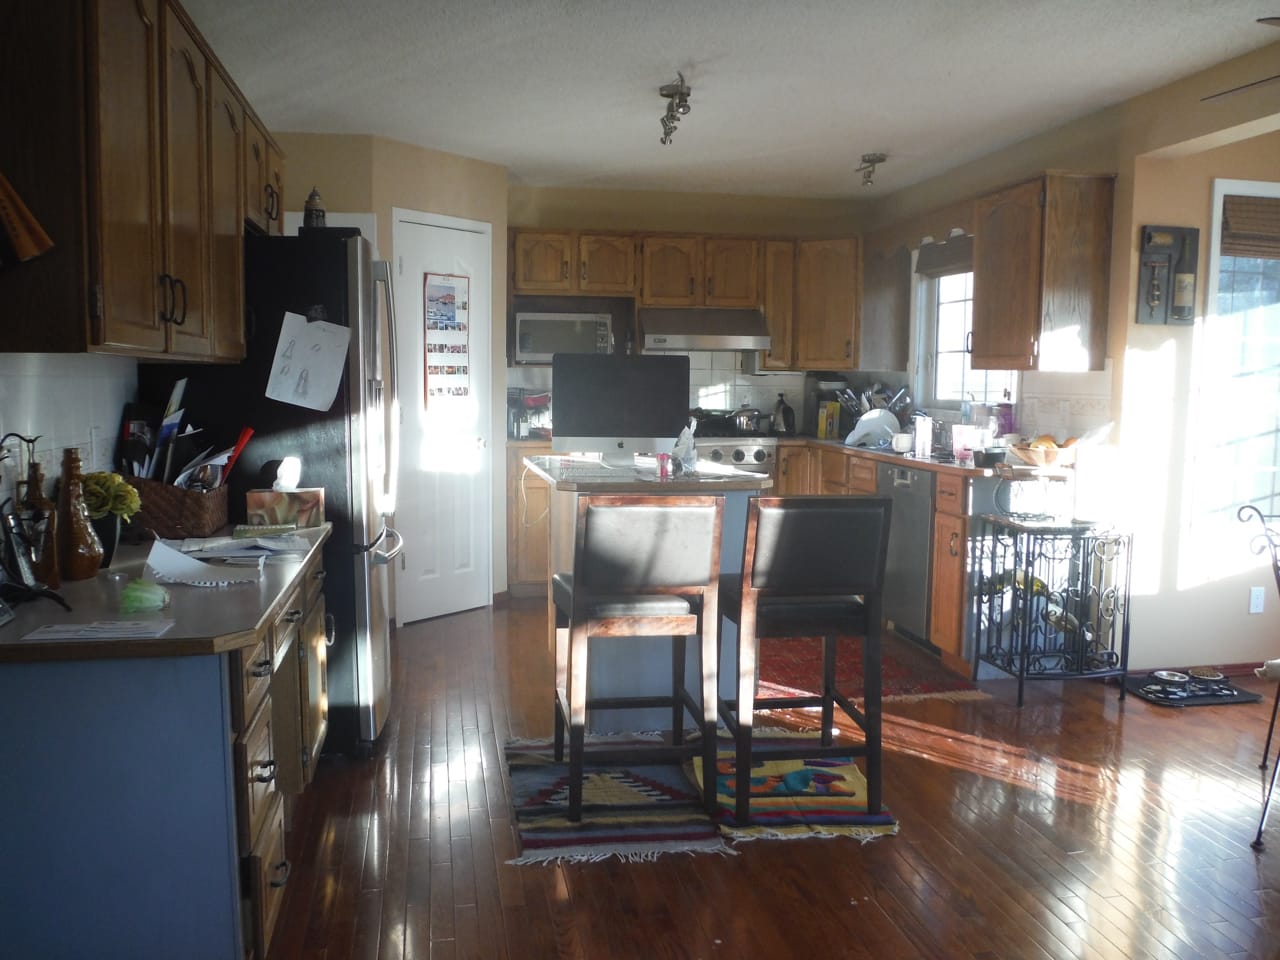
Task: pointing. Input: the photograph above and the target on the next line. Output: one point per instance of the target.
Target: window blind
(955, 255)
(1250, 227)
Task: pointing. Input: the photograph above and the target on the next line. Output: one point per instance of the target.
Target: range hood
(702, 328)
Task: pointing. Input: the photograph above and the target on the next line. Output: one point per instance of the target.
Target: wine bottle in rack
(1183, 307)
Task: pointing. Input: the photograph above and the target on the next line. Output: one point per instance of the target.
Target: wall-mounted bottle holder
(1169, 259)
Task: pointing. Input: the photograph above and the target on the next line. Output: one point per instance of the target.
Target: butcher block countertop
(207, 620)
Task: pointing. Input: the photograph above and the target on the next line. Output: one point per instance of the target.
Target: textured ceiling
(786, 95)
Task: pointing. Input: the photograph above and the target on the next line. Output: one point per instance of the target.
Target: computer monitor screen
(618, 406)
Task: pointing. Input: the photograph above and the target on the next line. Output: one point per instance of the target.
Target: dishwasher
(908, 568)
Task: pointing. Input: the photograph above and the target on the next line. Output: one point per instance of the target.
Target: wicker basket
(174, 512)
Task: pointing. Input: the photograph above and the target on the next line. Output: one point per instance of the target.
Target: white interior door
(443, 509)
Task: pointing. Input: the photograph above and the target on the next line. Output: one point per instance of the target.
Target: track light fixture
(677, 96)
(868, 168)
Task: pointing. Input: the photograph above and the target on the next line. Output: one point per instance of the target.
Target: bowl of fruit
(1046, 451)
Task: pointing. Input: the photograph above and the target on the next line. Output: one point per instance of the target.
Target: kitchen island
(143, 804)
(621, 666)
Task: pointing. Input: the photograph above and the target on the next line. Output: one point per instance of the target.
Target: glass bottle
(1184, 284)
(79, 549)
(45, 522)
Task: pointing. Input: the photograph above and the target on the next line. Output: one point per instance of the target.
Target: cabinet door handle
(711, 286)
(166, 311)
(261, 669)
(691, 286)
(292, 616)
(848, 349)
(955, 538)
(584, 271)
(282, 873)
(273, 202)
(968, 342)
(330, 629)
(564, 270)
(318, 575)
(181, 318)
(270, 767)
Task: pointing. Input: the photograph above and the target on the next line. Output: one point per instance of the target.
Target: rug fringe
(861, 834)
(627, 853)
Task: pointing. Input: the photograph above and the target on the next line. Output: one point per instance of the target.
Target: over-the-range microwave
(540, 335)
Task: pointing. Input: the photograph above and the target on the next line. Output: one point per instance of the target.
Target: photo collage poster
(446, 339)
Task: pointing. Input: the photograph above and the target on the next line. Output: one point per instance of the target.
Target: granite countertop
(585, 476)
(207, 620)
(908, 460)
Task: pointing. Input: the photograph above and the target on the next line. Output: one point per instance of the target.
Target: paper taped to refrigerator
(310, 358)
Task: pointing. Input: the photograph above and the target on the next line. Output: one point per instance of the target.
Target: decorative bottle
(44, 513)
(79, 549)
(1183, 308)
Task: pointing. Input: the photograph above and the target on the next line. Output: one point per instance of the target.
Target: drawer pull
(292, 616)
(318, 575)
(261, 669)
(330, 629)
(282, 873)
(270, 767)
(952, 544)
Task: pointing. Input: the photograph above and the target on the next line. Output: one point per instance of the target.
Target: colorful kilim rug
(817, 797)
(634, 812)
(907, 672)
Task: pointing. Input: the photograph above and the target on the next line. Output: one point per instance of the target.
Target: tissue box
(304, 507)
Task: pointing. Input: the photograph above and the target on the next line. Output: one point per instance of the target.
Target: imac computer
(618, 406)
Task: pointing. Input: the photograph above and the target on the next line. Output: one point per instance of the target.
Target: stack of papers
(241, 549)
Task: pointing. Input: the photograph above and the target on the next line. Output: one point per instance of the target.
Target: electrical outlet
(1255, 599)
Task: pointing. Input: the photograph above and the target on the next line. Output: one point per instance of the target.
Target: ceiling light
(868, 168)
(677, 96)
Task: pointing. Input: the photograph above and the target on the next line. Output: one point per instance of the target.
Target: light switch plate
(1255, 599)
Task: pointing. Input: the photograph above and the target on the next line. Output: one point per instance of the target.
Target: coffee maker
(821, 385)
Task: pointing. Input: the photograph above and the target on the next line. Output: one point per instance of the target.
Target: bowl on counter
(986, 459)
(1036, 456)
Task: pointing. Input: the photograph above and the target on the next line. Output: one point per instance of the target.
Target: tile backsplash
(1064, 404)
(68, 400)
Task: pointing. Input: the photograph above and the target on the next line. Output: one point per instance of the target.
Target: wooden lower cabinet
(528, 502)
(833, 471)
(795, 470)
(950, 559)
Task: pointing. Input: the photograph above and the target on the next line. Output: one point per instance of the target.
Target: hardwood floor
(1076, 827)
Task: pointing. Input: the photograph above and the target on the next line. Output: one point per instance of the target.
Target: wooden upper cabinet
(885, 328)
(827, 289)
(544, 262)
(607, 264)
(779, 304)
(226, 219)
(700, 271)
(263, 179)
(128, 298)
(731, 268)
(1041, 256)
(186, 222)
(129, 140)
(670, 268)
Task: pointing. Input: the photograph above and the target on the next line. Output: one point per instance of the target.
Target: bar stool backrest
(816, 546)
(637, 544)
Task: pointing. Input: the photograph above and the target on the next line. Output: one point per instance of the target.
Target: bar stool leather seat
(643, 566)
(812, 567)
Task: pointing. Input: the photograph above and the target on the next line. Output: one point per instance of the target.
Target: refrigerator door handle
(386, 556)
(382, 275)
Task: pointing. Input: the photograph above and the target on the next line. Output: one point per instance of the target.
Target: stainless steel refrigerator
(350, 449)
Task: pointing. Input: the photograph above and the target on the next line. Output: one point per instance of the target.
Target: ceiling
(786, 95)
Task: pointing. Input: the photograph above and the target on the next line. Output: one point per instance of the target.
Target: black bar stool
(812, 566)
(642, 567)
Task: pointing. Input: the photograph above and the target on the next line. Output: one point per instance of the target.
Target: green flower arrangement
(110, 493)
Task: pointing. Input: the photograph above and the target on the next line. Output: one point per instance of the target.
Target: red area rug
(908, 673)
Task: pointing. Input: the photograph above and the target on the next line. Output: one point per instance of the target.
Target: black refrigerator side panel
(307, 277)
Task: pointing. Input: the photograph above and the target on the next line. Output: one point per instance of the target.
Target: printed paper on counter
(168, 565)
(310, 358)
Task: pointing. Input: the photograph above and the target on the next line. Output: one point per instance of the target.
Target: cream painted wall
(646, 211)
(360, 174)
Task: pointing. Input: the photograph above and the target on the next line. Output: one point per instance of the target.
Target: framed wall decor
(446, 336)
(1167, 275)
